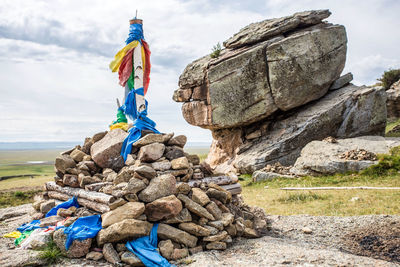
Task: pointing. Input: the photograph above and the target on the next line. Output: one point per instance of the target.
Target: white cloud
(54, 79)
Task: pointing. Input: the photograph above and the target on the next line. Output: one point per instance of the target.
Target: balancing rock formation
(158, 182)
(274, 88)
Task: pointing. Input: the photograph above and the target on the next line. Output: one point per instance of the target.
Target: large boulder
(109, 147)
(321, 157)
(130, 210)
(123, 230)
(393, 101)
(160, 186)
(347, 112)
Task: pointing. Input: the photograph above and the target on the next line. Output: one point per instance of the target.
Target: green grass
(390, 126)
(51, 253)
(15, 198)
(267, 194)
(26, 169)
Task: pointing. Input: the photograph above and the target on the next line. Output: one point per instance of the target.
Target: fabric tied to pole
(135, 33)
(141, 121)
(65, 205)
(83, 228)
(145, 248)
(29, 226)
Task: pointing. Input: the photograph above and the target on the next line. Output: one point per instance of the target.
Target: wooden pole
(341, 188)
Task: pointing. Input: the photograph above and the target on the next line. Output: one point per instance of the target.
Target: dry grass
(22, 183)
(330, 202)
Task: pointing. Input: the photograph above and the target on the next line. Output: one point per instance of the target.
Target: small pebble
(307, 230)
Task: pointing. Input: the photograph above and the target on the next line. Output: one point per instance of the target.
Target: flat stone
(161, 165)
(98, 136)
(214, 210)
(183, 188)
(168, 232)
(108, 147)
(180, 253)
(165, 207)
(200, 196)
(134, 186)
(195, 208)
(130, 210)
(258, 176)
(216, 246)
(214, 238)
(194, 229)
(182, 95)
(250, 233)
(217, 224)
(160, 186)
(342, 81)
(174, 152)
(268, 28)
(124, 230)
(195, 250)
(222, 196)
(94, 256)
(149, 139)
(123, 176)
(51, 220)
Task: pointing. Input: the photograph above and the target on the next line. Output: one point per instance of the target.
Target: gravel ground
(293, 241)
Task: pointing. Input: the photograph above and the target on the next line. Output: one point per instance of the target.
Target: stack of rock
(275, 87)
(158, 182)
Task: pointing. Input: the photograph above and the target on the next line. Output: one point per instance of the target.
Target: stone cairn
(158, 182)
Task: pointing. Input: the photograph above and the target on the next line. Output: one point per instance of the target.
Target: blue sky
(55, 84)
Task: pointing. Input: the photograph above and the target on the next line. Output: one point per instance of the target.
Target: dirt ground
(372, 240)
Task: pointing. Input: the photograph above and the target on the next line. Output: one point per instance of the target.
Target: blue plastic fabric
(29, 226)
(83, 228)
(140, 121)
(65, 205)
(135, 33)
(145, 248)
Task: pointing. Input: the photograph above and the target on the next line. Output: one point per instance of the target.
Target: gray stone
(195, 208)
(150, 139)
(200, 196)
(214, 238)
(160, 186)
(110, 254)
(166, 248)
(174, 152)
(151, 152)
(78, 248)
(51, 220)
(194, 229)
(64, 162)
(319, 157)
(98, 136)
(131, 259)
(180, 163)
(266, 29)
(303, 66)
(166, 231)
(258, 176)
(146, 171)
(222, 196)
(161, 165)
(77, 155)
(130, 210)
(183, 216)
(165, 207)
(183, 188)
(179, 140)
(134, 185)
(179, 253)
(393, 101)
(108, 147)
(214, 210)
(182, 95)
(47, 206)
(94, 256)
(216, 245)
(126, 229)
(342, 81)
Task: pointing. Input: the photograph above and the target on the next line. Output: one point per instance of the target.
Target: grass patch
(267, 194)
(51, 253)
(22, 183)
(8, 170)
(15, 198)
(301, 197)
(389, 126)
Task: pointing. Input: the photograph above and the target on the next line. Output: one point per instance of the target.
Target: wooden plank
(341, 188)
(99, 207)
(81, 193)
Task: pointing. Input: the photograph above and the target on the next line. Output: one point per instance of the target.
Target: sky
(55, 84)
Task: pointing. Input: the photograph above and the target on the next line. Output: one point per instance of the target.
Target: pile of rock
(158, 182)
(393, 101)
(358, 154)
(275, 87)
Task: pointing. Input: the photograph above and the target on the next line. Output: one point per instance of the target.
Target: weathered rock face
(347, 112)
(276, 87)
(320, 157)
(393, 101)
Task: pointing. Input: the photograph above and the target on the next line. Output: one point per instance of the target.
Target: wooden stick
(219, 180)
(341, 188)
(99, 207)
(81, 193)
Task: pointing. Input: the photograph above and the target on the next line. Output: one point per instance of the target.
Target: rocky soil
(292, 241)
